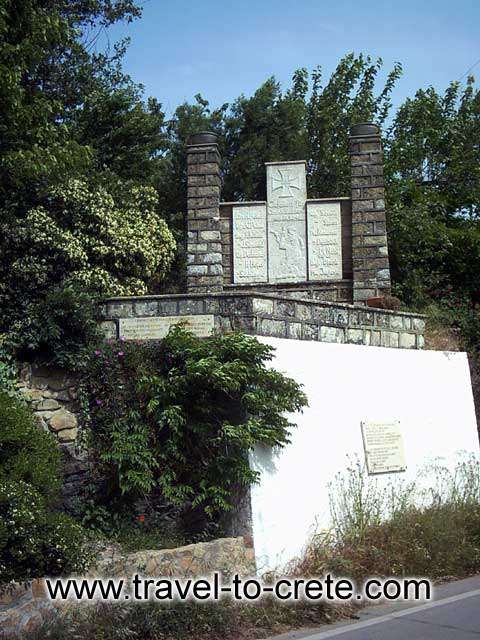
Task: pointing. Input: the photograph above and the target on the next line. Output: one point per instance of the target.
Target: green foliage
(80, 236)
(125, 134)
(33, 541)
(47, 69)
(78, 147)
(57, 329)
(433, 190)
(8, 369)
(432, 143)
(459, 312)
(145, 526)
(180, 416)
(64, 253)
(27, 453)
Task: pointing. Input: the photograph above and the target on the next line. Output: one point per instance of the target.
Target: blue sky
(222, 49)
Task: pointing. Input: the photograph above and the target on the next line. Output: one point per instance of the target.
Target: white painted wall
(428, 391)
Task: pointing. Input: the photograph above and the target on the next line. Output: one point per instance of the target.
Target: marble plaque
(286, 193)
(156, 328)
(324, 241)
(383, 444)
(250, 243)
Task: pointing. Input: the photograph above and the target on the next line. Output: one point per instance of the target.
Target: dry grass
(428, 528)
(218, 621)
(442, 339)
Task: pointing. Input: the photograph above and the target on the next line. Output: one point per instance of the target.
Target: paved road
(454, 614)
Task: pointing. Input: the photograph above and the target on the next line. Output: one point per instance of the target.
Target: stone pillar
(371, 270)
(204, 249)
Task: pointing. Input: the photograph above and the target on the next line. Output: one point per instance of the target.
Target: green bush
(27, 453)
(180, 416)
(79, 241)
(8, 369)
(458, 311)
(58, 328)
(80, 235)
(33, 541)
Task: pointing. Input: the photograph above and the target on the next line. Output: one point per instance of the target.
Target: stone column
(204, 249)
(371, 270)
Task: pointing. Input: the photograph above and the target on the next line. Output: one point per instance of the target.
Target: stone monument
(288, 238)
(291, 267)
(330, 248)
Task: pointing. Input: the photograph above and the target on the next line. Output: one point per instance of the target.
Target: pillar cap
(203, 137)
(365, 129)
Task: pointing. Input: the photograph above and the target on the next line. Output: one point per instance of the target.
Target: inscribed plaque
(383, 444)
(249, 243)
(324, 241)
(156, 328)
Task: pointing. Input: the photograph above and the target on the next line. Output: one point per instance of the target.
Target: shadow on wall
(474, 362)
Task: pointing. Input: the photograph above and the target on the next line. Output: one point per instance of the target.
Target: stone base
(25, 608)
(269, 314)
(224, 555)
(328, 291)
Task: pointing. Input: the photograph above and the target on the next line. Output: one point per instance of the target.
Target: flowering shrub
(57, 260)
(33, 541)
(180, 416)
(82, 236)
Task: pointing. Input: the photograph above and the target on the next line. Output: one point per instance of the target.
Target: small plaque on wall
(156, 328)
(383, 445)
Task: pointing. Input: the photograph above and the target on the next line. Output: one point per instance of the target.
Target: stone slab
(156, 328)
(383, 445)
(250, 244)
(286, 194)
(324, 232)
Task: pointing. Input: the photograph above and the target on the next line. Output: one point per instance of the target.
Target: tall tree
(269, 126)
(70, 116)
(48, 68)
(433, 189)
(349, 97)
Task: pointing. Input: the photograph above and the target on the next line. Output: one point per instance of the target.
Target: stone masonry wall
(279, 316)
(224, 555)
(23, 609)
(26, 607)
(52, 394)
(331, 291)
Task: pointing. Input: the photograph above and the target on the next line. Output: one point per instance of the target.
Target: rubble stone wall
(53, 396)
(26, 607)
(279, 316)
